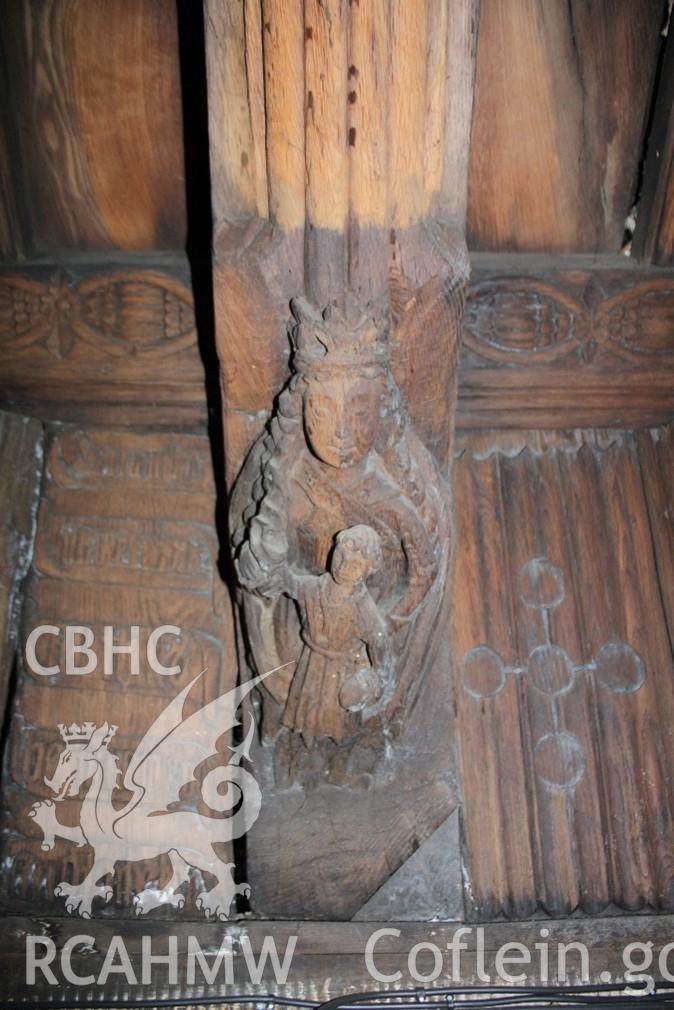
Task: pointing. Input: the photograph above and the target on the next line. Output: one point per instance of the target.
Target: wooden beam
(548, 342)
(338, 312)
(328, 959)
(126, 535)
(21, 459)
(553, 165)
(654, 234)
(103, 339)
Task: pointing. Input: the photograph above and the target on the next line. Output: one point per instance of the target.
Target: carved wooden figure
(340, 451)
(339, 140)
(346, 662)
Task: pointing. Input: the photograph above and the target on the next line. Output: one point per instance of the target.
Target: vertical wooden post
(339, 138)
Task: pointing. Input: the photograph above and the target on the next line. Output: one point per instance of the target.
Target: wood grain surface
(559, 347)
(373, 295)
(125, 537)
(654, 233)
(21, 459)
(564, 673)
(116, 343)
(562, 660)
(329, 957)
(94, 125)
(92, 143)
(562, 97)
(347, 124)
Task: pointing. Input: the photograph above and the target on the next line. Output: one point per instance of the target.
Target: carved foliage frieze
(79, 346)
(530, 320)
(114, 313)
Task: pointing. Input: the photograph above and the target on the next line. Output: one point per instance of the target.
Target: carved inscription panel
(125, 539)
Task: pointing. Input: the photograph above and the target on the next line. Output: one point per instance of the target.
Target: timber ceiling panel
(563, 612)
(564, 678)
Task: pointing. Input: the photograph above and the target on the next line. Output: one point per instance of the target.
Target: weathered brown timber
(92, 128)
(92, 146)
(562, 96)
(111, 342)
(329, 958)
(564, 691)
(340, 518)
(545, 343)
(573, 498)
(21, 464)
(125, 537)
(654, 233)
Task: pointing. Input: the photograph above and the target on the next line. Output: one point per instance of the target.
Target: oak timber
(583, 516)
(552, 342)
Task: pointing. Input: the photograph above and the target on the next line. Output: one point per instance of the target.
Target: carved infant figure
(338, 490)
(346, 663)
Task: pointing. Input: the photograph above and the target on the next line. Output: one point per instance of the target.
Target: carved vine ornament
(341, 532)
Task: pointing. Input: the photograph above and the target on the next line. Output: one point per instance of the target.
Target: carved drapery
(339, 138)
(342, 510)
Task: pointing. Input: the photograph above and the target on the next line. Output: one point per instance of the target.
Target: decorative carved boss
(339, 142)
(340, 526)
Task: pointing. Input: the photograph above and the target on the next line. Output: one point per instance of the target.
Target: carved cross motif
(559, 757)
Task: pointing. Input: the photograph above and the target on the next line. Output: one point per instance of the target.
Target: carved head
(341, 417)
(342, 358)
(356, 555)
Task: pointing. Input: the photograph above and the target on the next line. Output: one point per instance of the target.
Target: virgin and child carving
(341, 532)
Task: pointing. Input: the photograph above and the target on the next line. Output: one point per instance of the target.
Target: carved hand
(262, 559)
(362, 690)
(250, 571)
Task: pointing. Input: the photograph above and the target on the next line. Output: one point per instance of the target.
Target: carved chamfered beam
(339, 143)
(339, 139)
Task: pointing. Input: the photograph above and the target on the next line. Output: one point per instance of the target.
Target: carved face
(349, 565)
(341, 417)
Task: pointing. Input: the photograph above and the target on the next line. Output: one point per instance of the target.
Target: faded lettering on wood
(125, 538)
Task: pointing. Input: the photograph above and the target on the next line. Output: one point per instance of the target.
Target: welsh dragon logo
(164, 761)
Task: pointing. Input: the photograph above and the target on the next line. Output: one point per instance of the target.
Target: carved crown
(76, 733)
(338, 337)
